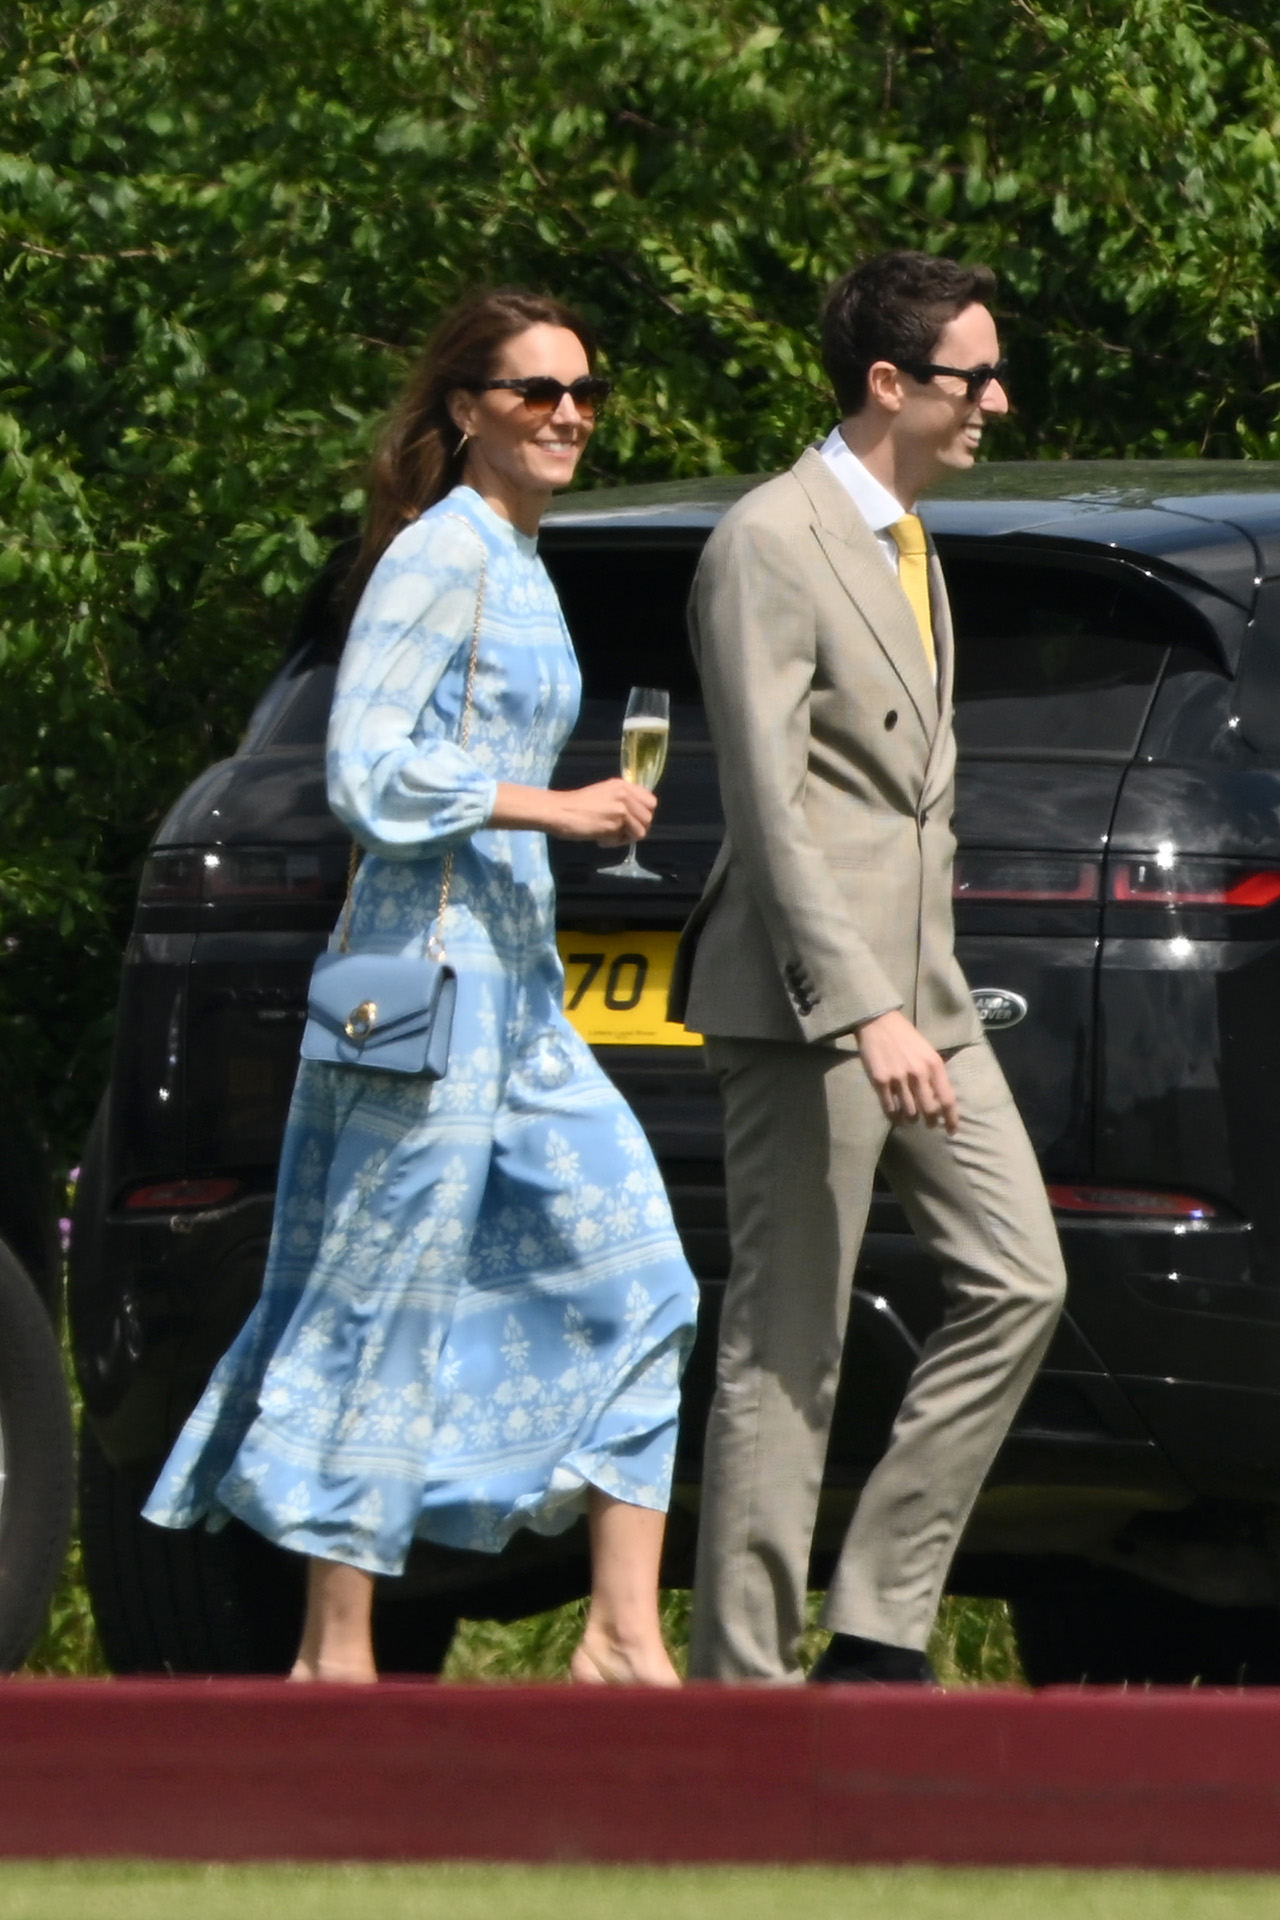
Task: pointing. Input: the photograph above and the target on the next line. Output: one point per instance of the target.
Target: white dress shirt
(874, 502)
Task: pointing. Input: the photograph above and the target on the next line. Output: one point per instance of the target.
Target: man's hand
(909, 1075)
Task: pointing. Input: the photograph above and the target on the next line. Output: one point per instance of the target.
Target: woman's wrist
(538, 808)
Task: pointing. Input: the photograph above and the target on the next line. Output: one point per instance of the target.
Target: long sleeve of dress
(397, 777)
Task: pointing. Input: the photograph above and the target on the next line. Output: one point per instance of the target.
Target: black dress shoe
(850, 1661)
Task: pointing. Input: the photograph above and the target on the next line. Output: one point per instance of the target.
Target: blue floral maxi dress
(475, 1303)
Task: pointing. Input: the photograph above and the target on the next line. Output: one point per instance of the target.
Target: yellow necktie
(913, 574)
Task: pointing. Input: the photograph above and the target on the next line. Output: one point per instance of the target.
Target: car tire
(190, 1601)
(1096, 1626)
(37, 1463)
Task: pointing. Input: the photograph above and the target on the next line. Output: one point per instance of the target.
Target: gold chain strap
(435, 943)
(353, 862)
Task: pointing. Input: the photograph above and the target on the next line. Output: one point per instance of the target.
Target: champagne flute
(646, 730)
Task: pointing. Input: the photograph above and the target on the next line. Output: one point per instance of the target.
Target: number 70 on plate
(615, 988)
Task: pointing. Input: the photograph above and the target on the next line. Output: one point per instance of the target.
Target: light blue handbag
(393, 1011)
(390, 1011)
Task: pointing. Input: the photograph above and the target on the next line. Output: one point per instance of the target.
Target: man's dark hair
(893, 308)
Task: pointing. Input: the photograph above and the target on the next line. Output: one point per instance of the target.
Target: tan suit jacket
(830, 900)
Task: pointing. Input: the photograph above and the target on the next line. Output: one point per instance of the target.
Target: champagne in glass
(644, 749)
(646, 731)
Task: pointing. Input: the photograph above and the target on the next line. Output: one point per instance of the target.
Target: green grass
(69, 1643)
(972, 1646)
(137, 1892)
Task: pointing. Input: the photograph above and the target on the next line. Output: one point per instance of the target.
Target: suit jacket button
(890, 720)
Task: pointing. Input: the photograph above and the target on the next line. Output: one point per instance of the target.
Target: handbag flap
(375, 998)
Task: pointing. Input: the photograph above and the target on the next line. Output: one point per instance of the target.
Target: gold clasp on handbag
(360, 1020)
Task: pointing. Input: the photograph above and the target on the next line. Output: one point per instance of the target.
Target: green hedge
(223, 225)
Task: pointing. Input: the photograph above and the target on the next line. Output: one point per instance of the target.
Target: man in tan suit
(820, 967)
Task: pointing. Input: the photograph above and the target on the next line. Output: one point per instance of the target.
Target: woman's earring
(461, 444)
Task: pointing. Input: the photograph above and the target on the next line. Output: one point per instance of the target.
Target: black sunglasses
(542, 394)
(976, 379)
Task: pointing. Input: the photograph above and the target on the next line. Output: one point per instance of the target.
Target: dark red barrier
(256, 1770)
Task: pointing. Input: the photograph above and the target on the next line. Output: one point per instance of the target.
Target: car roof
(1215, 522)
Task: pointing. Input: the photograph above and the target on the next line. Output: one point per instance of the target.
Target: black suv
(1118, 913)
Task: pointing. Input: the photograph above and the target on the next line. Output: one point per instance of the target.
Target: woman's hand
(613, 812)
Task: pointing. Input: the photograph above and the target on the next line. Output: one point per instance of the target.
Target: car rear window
(1056, 658)
(625, 608)
(1048, 657)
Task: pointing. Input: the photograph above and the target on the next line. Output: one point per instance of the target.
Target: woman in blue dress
(476, 1309)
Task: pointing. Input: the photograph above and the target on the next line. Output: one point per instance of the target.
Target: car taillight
(1138, 1202)
(178, 874)
(1163, 879)
(1065, 878)
(171, 1196)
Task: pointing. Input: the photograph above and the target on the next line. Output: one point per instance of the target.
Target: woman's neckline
(525, 543)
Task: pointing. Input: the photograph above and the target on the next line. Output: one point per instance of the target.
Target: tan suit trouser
(804, 1133)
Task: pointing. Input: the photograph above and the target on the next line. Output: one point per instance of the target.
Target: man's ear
(884, 386)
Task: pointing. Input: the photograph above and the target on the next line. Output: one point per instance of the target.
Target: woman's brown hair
(419, 459)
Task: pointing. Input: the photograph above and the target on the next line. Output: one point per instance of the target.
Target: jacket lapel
(859, 565)
(943, 635)
(941, 753)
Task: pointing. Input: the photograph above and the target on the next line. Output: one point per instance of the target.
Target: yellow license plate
(615, 989)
